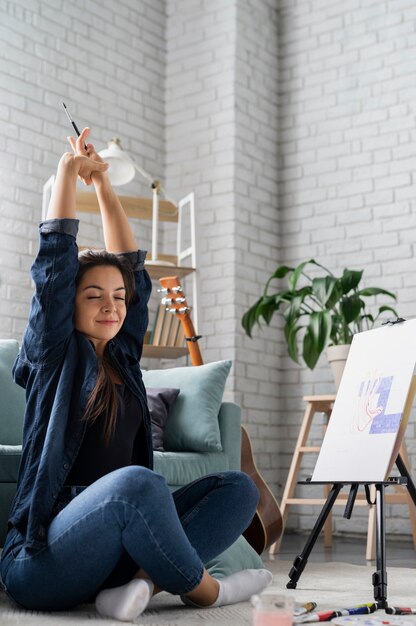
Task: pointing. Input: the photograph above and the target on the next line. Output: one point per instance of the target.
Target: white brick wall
(347, 151)
(200, 139)
(257, 223)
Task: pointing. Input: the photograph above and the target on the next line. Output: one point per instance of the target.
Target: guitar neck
(192, 345)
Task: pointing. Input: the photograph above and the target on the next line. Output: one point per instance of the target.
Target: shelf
(134, 206)
(158, 271)
(163, 352)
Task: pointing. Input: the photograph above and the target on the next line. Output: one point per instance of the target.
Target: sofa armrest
(229, 420)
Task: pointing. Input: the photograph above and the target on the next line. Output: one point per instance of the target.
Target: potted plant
(326, 310)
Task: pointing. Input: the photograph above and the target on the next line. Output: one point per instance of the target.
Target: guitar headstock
(175, 302)
(174, 297)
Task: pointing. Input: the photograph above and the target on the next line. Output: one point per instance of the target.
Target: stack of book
(167, 329)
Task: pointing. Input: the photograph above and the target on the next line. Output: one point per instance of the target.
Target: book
(167, 322)
(180, 337)
(174, 328)
(158, 325)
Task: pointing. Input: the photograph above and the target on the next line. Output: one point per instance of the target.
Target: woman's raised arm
(118, 235)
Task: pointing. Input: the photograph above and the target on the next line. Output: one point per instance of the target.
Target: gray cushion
(160, 401)
(193, 421)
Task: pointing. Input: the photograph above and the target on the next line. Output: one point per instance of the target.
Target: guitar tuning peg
(184, 309)
(179, 300)
(177, 289)
(163, 290)
(167, 301)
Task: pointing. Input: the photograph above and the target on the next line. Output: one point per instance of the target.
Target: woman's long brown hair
(103, 399)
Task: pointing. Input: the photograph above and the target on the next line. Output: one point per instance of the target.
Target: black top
(96, 457)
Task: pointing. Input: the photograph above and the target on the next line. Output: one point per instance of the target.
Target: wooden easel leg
(294, 470)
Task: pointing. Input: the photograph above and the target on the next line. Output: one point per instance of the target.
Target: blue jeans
(128, 520)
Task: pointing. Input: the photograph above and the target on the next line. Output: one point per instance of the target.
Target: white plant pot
(337, 357)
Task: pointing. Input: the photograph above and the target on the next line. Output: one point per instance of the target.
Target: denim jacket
(57, 366)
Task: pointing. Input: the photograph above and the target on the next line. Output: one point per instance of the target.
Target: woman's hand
(78, 146)
(72, 165)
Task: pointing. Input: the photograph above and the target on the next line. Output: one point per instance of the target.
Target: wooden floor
(399, 553)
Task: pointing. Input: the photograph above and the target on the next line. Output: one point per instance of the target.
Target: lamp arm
(154, 182)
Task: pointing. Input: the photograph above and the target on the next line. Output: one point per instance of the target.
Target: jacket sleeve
(53, 272)
(137, 318)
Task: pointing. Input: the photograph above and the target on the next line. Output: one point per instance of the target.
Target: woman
(90, 519)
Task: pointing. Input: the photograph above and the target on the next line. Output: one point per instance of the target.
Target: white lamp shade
(121, 170)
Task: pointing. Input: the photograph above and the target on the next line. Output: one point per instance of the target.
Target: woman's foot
(237, 587)
(127, 602)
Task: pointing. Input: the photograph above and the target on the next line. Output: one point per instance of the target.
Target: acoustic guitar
(266, 526)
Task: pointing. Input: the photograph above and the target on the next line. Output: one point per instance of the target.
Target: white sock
(238, 587)
(127, 602)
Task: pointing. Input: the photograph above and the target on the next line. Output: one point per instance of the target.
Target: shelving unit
(137, 207)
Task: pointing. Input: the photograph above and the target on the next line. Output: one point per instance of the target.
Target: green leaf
(350, 307)
(335, 296)
(350, 279)
(384, 309)
(291, 331)
(316, 337)
(282, 271)
(279, 272)
(293, 280)
(375, 291)
(322, 288)
(292, 312)
(250, 318)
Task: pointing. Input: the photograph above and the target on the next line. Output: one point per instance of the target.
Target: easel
(380, 575)
(317, 405)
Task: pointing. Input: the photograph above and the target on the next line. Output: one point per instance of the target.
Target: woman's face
(100, 305)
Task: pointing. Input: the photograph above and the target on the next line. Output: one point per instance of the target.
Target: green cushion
(9, 463)
(240, 555)
(193, 421)
(12, 396)
(181, 469)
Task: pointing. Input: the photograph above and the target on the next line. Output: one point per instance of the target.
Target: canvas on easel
(372, 407)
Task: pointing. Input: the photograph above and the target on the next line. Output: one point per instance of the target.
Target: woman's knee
(245, 487)
(137, 481)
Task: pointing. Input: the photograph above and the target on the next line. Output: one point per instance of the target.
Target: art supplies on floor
(311, 616)
(377, 619)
